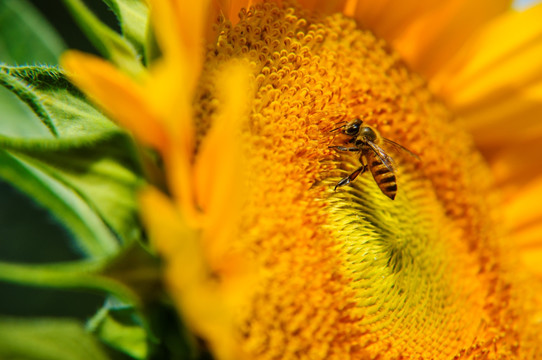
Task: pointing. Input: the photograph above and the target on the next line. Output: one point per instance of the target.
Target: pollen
(351, 273)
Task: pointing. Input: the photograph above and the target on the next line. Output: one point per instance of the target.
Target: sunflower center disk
(351, 273)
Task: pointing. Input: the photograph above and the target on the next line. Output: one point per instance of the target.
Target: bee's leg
(347, 180)
(342, 148)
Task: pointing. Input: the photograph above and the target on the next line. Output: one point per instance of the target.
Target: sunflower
(248, 107)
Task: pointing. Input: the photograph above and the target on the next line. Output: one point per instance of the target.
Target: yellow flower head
(265, 258)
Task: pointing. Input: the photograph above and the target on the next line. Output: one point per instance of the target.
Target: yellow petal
(180, 29)
(323, 6)
(167, 92)
(200, 300)
(433, 38)
(387, 18)
(495, 84)
(516, 164)
(524, 212)
(166, 223)
(508, 36)
(506, 117)
(219, 171)
(425, 33)
(523, 215)
(122, 98)
(532, 256)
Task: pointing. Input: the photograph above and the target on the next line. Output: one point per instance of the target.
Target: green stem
(72, 275)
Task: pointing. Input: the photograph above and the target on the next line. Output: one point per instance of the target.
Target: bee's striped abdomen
(384, 177)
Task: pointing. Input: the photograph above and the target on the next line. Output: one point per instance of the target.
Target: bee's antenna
(340, 127)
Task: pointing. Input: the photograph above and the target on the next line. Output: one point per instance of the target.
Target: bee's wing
(400, 148)
(386, 160)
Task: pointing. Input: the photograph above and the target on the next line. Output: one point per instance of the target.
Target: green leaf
(21, 25)
(109, 43)
(104, 176)
(47, 339)
(133, 16)
(69, 157)
(122, 327)
(91, 233)
(18, 120)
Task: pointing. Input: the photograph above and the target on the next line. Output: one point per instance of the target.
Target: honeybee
(364, 140)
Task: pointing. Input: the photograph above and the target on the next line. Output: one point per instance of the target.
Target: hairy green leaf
(71, 120)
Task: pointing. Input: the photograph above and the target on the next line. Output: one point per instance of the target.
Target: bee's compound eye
(353, 127)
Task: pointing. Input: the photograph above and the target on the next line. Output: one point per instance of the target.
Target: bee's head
(356, 128)
(352, 128)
